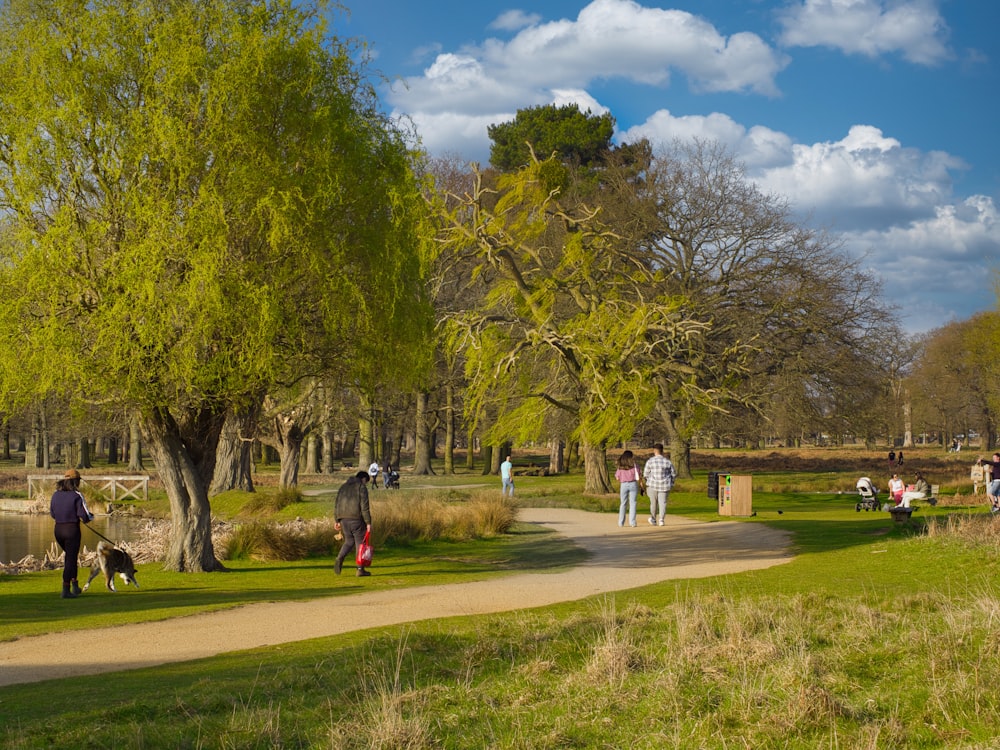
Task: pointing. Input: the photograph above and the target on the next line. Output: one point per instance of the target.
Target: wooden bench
(901, 514)
(110, 487)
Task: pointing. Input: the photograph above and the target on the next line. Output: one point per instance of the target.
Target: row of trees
(208, 225)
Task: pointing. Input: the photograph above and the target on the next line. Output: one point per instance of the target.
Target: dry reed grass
(973, 529)
(403, 518)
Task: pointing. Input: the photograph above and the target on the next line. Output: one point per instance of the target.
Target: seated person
(919, 489)
(896, 489)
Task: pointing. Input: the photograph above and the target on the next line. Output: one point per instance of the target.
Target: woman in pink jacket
(627, 475)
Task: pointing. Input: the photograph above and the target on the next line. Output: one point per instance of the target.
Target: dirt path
(619, 559)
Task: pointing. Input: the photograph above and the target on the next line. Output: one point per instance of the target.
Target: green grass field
(877, 635)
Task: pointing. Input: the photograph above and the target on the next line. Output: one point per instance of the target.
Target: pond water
(31, 534)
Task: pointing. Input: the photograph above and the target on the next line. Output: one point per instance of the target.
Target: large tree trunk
(422, 450)
(290, 439)
(233, 457)
(135, 447)
(596, 481)
(84, 462)
(680, 443)
(487, 456)
(366, 434)
(449, 429)
(312, 455)
(557, 457)
(470, 449)
(184, 454)
(326, 462)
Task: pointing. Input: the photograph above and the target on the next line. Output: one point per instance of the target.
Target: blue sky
(878, 120)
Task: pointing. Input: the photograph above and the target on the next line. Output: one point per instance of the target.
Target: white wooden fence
(110, 487)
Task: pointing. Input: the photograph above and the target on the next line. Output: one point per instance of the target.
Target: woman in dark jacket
(68, 509)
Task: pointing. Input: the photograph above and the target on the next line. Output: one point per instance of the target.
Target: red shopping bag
(364, 556)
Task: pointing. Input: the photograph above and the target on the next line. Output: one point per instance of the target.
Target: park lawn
(875, 635)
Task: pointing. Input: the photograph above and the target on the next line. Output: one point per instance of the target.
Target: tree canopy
(578, 138)
(201, 202)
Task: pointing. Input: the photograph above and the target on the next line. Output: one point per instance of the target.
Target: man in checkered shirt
(659, 474)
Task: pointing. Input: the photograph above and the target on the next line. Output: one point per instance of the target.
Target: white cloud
(913, 28)
(864, 178)
(759, 147)
(890, 204)
(937, 269)
(609, 39)
(579, 97)
(512, 20)
(453, 132)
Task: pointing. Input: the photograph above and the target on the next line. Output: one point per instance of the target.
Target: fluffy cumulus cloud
(757, 147)
(892, 205)
(888, 202)
(911, 28)
(609, 39)
(929, 267)
(864, 179)
(513, 20)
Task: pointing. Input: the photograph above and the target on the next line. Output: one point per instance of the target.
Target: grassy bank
(877, 635)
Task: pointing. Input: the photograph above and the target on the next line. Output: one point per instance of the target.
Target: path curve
(619, 559)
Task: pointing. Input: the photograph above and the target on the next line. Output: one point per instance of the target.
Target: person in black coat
(68, 508)
(353, 517)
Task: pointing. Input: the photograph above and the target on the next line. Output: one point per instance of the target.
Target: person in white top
(896, 488)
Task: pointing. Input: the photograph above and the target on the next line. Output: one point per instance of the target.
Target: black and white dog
(111, 560)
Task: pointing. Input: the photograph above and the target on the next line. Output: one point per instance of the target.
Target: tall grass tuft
(296, 540)
(391, 717)
(615, 654)
(973, 529)
(269, 503)
(401, 519)
(428, 517)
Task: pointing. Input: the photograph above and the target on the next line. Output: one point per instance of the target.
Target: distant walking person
(373, 470)
(627, 475)
(353, 516)
(899, 458)
(993, 486)
(507, 477)
(68, 508)
(892, 459)
(659, 474)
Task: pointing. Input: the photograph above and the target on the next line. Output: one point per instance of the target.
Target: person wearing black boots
(68, 508)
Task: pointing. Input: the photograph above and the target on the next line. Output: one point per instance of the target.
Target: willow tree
(201, 203)
(564, 320)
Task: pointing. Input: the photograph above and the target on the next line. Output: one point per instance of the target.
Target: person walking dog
(68, 508)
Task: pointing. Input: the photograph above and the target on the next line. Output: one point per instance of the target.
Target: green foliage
(202, 202)
(569, 323)
(577, 138)
(188, 222)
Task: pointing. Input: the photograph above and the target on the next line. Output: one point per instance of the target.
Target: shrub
(296, 540)
(269, 503)
(428, 517)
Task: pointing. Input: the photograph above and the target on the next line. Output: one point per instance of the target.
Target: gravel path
(619, 559)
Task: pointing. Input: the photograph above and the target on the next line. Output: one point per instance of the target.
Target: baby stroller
(869, 495)
(391, 478)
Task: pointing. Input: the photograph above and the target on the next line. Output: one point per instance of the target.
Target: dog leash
(100, 534)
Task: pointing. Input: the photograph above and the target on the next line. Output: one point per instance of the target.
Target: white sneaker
(651, 521)
(660, 522)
